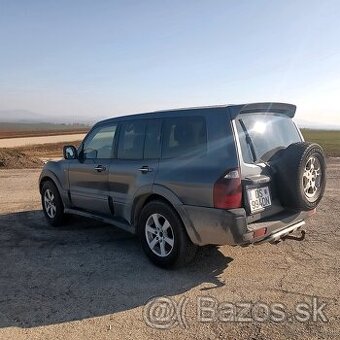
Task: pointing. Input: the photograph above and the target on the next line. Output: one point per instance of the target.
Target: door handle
(100, 168)
(144, 169)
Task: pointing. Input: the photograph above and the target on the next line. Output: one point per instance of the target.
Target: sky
(84, 60)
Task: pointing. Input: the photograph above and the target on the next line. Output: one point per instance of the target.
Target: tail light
(228, 190)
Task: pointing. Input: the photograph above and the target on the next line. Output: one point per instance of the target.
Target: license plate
(259, 199)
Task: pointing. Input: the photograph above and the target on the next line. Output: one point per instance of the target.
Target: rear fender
(178, 205)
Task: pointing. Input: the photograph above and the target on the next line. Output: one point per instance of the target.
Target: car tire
(52, 204)
(163, 236)
(301, 176)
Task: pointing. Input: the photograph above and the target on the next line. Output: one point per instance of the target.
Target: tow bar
(296, 238)
(293, 237)
(286, 233)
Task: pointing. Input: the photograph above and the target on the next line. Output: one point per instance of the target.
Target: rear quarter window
(184, 136)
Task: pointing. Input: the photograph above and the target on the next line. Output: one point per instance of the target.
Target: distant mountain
(21, 116)
(29, 117)
(4, 126)
(316, 126)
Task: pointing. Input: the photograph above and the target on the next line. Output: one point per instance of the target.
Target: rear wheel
(52, 204)
(163, 236)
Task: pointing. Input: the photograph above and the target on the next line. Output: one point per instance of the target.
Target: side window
(100, 143)
(184, 136)
(131, 140)
(152, 147)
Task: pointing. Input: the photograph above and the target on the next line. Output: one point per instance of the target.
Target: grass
(14, 159)
(45, 150)
(30, 156)
(329, 140)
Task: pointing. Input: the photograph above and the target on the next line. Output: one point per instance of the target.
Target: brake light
(228, 190)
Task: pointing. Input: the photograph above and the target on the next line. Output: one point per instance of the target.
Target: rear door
(88, 175)
(133, 171)
(260, 137)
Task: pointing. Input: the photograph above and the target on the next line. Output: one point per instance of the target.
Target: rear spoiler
(286, 109)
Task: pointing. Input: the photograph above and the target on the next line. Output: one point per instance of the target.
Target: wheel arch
(160, 193)
(142, 200)
(48, 175)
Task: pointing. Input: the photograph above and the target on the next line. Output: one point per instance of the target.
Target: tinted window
(152, 146)
(131, 140)
(99, 143)
(263, 134)
(184, 136)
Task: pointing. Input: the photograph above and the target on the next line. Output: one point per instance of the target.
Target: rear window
(152, 147)
(184, 136)
(261, 135)
(131, 140)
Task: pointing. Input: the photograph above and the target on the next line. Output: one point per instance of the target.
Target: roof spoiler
(286, 109)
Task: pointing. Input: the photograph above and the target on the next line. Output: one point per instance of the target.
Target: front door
(88, 175)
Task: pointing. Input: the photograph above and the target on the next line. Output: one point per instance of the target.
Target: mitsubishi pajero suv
(179, 179)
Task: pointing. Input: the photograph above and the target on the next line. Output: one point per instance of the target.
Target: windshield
(263, 134)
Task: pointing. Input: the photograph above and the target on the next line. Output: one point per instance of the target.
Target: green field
(329, 140)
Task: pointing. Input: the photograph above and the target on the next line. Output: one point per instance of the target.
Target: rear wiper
(248, 140)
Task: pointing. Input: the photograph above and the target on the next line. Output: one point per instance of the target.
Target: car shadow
(84, 269)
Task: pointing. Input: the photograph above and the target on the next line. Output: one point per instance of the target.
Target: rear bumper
(221, 227)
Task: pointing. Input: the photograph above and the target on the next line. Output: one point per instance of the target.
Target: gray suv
(179, 179)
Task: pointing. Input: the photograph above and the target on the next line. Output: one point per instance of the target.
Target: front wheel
(52, 204)
(163, 236)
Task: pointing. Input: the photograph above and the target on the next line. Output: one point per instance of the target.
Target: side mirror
(70, 152)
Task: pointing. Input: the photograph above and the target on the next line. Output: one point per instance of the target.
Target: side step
(119, 224)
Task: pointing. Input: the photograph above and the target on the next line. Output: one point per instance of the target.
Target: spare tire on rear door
(300, 175)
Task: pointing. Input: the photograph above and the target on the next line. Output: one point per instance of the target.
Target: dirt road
(91, 281)
(22, 141)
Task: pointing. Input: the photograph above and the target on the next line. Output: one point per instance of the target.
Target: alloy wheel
(49, 204)
(311, 179)
(159, 235)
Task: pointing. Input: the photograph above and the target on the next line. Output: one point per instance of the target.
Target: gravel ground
(87, 280)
